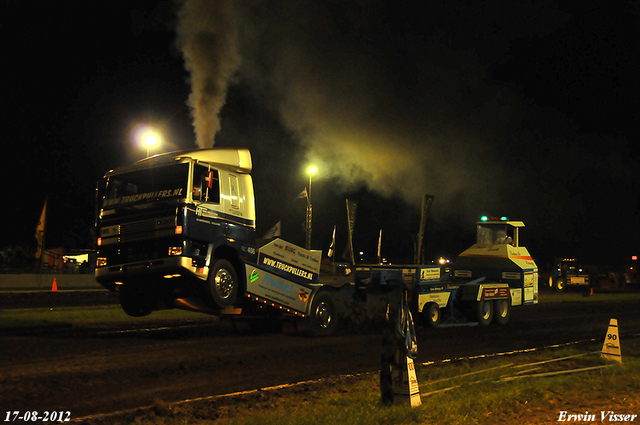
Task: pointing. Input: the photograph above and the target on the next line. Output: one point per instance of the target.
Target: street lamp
(150, 141)
(146, 137)
(311, 172)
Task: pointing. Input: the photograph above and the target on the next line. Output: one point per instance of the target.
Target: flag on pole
(40, 231)
(303, 194)
(333, 243)
(352, 206)
(427, 200)
(379, 245)
(273, 232)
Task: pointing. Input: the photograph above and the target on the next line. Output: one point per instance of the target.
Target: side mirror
(208, 180)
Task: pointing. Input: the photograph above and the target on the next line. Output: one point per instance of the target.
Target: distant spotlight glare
(151, 140)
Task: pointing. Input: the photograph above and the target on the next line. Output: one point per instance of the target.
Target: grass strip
(469, 392)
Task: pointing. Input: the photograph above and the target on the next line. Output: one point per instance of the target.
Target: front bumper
(170, 267)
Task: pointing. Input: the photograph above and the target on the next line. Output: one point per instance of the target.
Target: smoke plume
(208, 38)
(378, 98)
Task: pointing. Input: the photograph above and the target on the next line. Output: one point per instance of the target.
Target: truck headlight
(175, 250)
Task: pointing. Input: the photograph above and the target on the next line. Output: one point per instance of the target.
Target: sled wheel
(501, 312)
(431, 315)
(484, 312)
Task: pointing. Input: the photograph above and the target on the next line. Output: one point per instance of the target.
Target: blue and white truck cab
(178, 231)
(177, 225)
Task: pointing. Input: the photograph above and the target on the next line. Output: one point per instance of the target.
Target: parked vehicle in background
(567, 272)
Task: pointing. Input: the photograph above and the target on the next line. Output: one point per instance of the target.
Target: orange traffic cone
(54, 288)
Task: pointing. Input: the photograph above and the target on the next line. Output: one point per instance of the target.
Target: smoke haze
(403, 98)
(379, 97)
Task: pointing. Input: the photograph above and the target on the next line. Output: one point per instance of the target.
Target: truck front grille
(139, 230)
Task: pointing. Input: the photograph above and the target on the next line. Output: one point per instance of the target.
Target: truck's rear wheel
(323, 317)
(135, 300)
(501, 312)
(223, 283)
(484, 312)
(431, 315)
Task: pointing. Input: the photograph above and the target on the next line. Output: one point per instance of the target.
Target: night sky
(525, 109)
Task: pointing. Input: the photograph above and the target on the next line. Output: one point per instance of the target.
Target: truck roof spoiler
(237, 160)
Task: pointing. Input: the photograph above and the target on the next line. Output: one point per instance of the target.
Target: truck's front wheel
(135, 300)
(560, 284)
(223, 283)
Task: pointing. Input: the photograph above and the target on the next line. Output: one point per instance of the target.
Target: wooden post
(398, 381)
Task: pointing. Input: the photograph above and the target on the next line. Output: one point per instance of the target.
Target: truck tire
(135, 301)
(559, 284)
(484, 312)
(223, 283)
(431, 315)
(501, 312)
(323, 317)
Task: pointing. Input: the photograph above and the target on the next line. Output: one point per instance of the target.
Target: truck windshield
(146, 185)
(492, 234)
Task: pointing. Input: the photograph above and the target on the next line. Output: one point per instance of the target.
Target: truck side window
(200, 190)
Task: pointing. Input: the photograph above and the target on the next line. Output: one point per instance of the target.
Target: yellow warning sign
(611, 346)
(405, 383)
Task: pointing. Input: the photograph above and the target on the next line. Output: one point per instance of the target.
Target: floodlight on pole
(150, 140)
(312, 170)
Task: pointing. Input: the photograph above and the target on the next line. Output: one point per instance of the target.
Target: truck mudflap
(275, 291)
(318, 304)
(286, 277)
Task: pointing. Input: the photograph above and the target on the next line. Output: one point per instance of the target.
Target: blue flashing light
(503, 218)
(484, 218)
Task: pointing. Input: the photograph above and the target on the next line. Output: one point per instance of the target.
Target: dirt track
(91, 372)
(10, 300)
